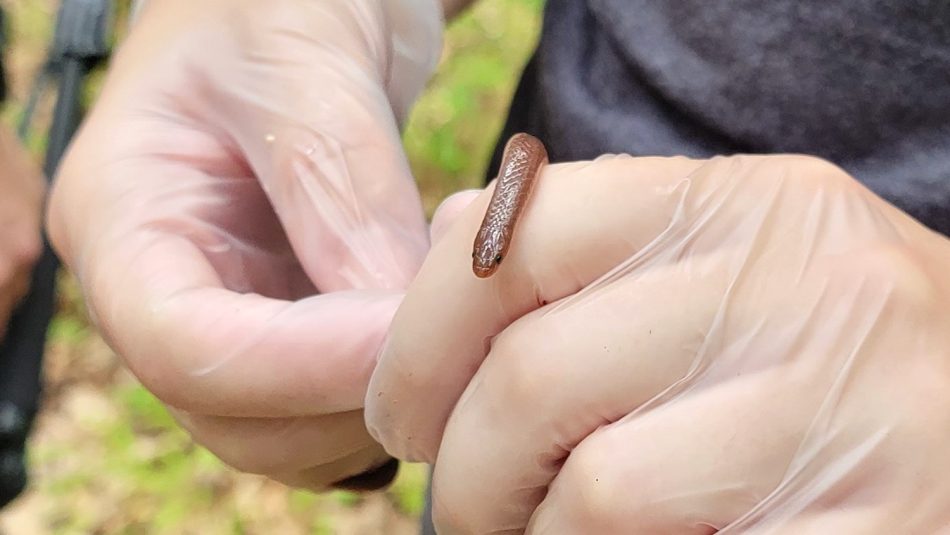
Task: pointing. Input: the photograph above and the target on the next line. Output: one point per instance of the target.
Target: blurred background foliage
(107, 458)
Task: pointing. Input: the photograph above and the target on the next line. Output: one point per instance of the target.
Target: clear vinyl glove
(751, 344)
(21, 201)
(243, 222)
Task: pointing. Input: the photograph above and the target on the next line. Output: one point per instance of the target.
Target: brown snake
(523, 157)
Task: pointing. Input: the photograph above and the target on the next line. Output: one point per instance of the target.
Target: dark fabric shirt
(862, 83)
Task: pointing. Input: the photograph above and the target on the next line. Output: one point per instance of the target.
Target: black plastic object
(13, 429)
(80, 43)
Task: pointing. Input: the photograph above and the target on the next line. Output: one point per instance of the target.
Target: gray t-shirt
(862, 83)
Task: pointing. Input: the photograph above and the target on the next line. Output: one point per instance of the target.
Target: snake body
(524, 155)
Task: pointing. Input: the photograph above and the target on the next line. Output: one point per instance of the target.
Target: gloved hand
(242, 220)
(745, 344)
(21, 201)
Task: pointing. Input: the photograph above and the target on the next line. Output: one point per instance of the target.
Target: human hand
(21, 203)
(242, 220)
(745, 344)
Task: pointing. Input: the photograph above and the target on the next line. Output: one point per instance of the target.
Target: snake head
(488, 252)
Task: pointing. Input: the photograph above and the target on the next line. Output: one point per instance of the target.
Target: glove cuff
(372, 479)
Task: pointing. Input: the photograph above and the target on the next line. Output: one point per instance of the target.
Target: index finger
(584, 219)
(169, 291)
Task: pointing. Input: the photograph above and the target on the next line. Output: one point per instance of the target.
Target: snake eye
(498, 259)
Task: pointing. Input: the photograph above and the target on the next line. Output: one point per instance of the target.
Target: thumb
(313, 115)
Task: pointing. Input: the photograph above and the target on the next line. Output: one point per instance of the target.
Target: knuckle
(822, 175)
(806, 170)
(610, 489)
(890, 262)
(593, 480)
(813, 165)
(895, 269)
(523, 349)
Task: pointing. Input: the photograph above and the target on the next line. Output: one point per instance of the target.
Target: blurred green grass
(107, 457)
(452, 131)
